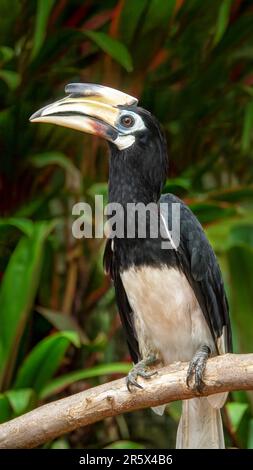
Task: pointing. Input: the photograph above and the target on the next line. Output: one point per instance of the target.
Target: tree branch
(223, 373)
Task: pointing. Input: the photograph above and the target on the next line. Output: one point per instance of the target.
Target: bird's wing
(125, 311)
(197, 260)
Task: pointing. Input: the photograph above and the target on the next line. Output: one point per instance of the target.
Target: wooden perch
(223, 373)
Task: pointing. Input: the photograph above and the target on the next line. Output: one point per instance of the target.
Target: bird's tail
(200, 426)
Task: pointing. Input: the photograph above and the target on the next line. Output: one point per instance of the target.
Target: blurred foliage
(191, 63)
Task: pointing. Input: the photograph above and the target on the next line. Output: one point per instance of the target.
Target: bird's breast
(167, 316)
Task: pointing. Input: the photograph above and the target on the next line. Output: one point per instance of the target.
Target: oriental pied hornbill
(172, 302)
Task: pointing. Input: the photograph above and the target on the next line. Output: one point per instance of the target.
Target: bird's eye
(127, 120)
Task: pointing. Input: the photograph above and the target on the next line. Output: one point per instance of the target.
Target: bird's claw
(197, 368)
(139, 370)
(131, 380)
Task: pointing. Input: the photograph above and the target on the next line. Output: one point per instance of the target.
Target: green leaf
(64, 381)
(158, 14)
(100, 189)
(124, 444)
(241, 235)
(236, 412)
(11, 78)
(98, 344)
(24, 225)
(222, 21)
(250, 436)
(63, 322)
(208, 212)
(17, 293)
(44, 8)
(247, 130)
(175, 410)
(20, 400)
(42, 160)
(225, 234)
(130, 18)
(174, 184)
(112, 47)
(60, 444)
(54, 46)
(238, 194)
(240, 262)
(6, 53)
(241, 396)
(44, 360)
(5, 408)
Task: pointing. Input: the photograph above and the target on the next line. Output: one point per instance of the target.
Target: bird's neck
(128, 183)
(129, 188)
(136, 177)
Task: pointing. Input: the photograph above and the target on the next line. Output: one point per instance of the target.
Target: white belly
(168, 318)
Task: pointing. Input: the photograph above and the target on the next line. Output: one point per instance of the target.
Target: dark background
(191, 64)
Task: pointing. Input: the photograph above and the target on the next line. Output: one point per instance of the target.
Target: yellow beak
(88, 108)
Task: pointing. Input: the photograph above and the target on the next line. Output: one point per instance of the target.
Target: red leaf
(114, 27)
(98, 20)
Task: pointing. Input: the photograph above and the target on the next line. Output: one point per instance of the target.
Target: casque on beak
(88, 108)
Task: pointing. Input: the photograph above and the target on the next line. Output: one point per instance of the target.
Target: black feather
(125, 311)
(199, 264)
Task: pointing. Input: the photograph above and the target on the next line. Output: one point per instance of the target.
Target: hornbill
(172, 302)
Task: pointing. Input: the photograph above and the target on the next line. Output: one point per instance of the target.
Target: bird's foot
(140, 369)
(197, 367)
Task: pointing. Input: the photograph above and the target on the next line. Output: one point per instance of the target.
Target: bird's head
(130, 130)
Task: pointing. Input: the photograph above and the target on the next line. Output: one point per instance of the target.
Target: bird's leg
(140, 369)
(197, 367)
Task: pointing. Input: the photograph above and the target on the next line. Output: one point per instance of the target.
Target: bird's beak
(88, 108)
